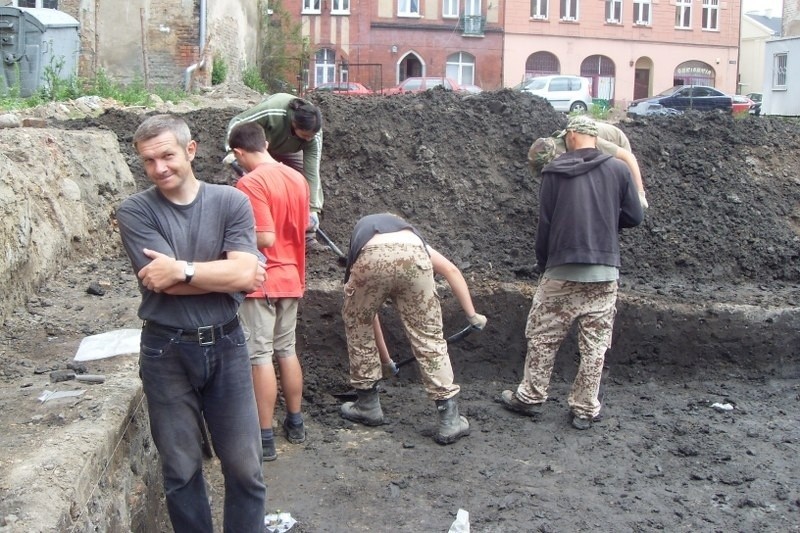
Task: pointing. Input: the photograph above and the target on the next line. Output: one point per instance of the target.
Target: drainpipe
(187, 76)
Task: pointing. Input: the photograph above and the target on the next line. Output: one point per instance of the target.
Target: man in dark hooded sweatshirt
(586, 197)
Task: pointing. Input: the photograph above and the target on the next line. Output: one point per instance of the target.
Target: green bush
(252, 78)
(219, 71)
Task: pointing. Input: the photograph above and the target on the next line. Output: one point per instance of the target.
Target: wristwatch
(188, 272)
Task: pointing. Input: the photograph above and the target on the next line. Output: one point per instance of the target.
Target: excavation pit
(702, 385)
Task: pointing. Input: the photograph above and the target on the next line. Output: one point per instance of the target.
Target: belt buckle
(205, 336)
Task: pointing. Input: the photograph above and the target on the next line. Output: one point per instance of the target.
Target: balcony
(471, 25)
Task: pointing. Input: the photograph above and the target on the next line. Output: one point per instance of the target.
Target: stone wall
(57, 192)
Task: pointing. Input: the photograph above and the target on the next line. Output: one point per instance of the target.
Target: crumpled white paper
(461, 523)
(278, 523)
(109, 344)
(55, 395)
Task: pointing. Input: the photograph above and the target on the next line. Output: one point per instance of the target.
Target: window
(683, 13)
(324, 66)
(569, 10)
(49, 4)
(311, 7)
(541, 64)
(450, 8)
(472, 8)
(461, 67)
(408, 8)
(613, 11)
(641, 12)
(340, 7)
(779, 71)
(711, 15)
(539, 9)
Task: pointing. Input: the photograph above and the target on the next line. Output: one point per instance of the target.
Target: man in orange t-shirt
(279, 196)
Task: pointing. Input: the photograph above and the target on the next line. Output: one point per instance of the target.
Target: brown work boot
(452, 426)
(365, 410)
(510, 401)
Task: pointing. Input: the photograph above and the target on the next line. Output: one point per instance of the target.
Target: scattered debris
(461, 523)
(47, 395)
(722, 407)
(279, 522)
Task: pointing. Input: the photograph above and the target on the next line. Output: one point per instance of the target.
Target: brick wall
(791, 18)
(159, 39)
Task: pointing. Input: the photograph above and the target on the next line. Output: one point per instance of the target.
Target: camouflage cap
(542, 151)
(582, 124)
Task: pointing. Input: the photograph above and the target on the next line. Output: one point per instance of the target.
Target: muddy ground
(722, 232)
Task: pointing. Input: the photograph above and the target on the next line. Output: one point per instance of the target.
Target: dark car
(650, 108)
(685, 97)
(755, 109)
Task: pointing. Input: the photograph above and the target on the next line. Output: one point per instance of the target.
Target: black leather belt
(204, 336)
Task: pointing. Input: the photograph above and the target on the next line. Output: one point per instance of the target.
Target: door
(641, 83)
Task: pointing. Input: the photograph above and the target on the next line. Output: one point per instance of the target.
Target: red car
(415, 85)
(343, 87)
(741, 105)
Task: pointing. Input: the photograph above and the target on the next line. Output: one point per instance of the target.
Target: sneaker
(512, 403)
(294, 434)
(313, 245)
(268, 452)
(584, 422)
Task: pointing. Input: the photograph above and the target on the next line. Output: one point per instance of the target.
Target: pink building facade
(628, 48)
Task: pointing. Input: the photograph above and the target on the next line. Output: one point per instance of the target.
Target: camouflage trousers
(402, 273)
(556, 305)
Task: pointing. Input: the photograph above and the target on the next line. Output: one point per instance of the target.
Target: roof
(773, 24)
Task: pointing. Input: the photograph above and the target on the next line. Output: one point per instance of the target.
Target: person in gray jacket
(586, 197)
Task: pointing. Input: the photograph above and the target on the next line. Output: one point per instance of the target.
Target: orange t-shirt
(279, 196)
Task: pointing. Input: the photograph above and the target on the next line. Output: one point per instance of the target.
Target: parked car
(741, 104)
(343, 87)
(565, 93)
(418, 84)
(756, 98)
(683, 97)
(651, 108)
(472, 89)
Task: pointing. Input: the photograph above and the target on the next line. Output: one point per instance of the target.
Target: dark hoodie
(585, 198)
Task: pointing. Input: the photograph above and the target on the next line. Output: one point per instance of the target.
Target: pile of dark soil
(725, 202)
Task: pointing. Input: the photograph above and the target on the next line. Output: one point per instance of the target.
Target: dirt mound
(725, 202)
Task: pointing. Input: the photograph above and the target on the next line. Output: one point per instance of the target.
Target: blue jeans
(183, 382)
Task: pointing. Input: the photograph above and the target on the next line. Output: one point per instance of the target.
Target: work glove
(643, 200)
(313, 221)
(477, 320)
(389, 369)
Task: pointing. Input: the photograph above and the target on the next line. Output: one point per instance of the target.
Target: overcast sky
(761, 5)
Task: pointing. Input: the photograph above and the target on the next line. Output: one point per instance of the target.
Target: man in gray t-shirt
(192, 246)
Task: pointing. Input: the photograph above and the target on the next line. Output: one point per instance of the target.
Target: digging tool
(455, 337)
(341, 258)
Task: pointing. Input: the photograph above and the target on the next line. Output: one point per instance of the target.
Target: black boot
(366, 410)
(452, 426)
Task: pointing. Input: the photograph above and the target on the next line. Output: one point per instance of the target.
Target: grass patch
(55, 89)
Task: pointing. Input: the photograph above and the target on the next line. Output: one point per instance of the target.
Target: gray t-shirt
(219, 220)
